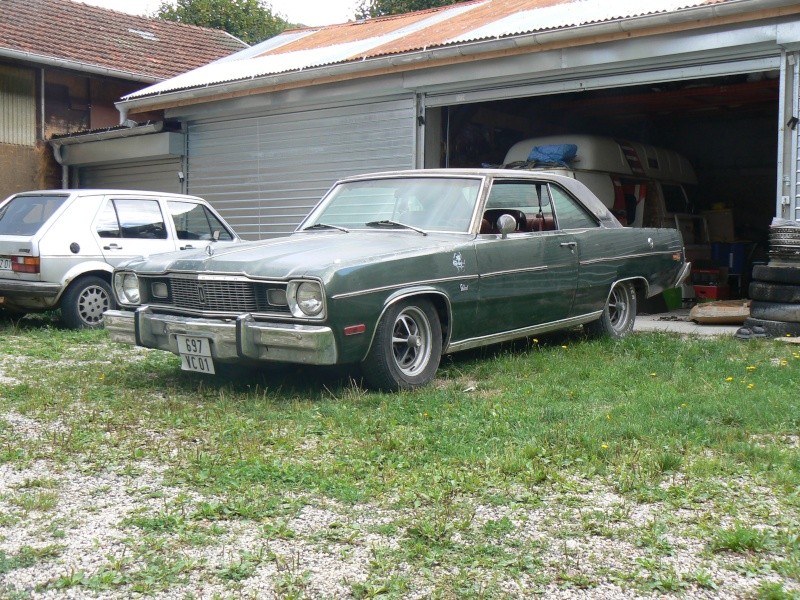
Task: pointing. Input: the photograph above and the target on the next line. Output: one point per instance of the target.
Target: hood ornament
(210, 250)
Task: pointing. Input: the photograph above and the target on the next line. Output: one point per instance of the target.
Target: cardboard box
(720, 225)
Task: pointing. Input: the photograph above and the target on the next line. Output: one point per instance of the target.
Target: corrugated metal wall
(17, 106)
(157, 175)
(264, 173)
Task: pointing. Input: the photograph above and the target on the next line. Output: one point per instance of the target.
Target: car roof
(106, 192)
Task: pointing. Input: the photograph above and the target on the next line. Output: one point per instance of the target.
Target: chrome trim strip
(626, 257)
(524, 332)
(514, 271)
(398, 286)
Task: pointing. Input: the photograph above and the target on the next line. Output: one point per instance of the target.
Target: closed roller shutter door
(265, 173)
(158, 176)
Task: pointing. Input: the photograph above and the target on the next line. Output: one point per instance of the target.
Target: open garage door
(265, 173)
(723, 117)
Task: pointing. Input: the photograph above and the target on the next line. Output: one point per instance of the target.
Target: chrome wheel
(92, 303)
(411, 341)
(619, 308)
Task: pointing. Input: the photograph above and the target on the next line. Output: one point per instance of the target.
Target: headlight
(306, 298)
(126, 286)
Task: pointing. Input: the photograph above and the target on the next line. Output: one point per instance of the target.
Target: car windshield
(412, 203)
(24, 215)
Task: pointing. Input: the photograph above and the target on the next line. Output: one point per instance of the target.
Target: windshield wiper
(387, 223)
(324, 226)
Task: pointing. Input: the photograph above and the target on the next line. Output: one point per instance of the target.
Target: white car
(58, 248)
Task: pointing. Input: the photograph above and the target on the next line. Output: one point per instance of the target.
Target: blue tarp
(560, 154)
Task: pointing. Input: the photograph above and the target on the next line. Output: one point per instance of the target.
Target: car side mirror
(506, 224)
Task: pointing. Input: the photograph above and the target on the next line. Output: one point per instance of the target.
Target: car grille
(217, 295)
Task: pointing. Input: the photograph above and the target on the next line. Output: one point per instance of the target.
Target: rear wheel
(85, 301)
(407, 347)
(618, 315)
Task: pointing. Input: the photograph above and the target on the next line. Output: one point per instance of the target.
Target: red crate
(704, 293)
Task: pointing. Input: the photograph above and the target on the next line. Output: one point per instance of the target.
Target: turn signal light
(25, 264)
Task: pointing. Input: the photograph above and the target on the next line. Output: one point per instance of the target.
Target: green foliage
(251, 21)
(380, 8)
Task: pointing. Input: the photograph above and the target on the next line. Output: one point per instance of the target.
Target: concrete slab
(677, 321)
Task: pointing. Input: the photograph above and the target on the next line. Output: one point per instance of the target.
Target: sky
(307, 12)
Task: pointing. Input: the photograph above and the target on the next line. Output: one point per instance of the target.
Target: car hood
(302, 254)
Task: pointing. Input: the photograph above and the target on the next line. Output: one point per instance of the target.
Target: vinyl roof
(93, 38)
(460, 24)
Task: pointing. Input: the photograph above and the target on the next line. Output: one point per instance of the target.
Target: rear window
(24, 215)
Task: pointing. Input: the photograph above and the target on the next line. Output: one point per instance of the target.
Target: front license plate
(195, 353)
(5, 264)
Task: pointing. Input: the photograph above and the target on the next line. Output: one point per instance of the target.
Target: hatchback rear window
(24, 215)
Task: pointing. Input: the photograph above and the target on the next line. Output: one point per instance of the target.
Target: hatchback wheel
(85, 301)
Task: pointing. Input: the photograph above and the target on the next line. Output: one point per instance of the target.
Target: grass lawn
(547, 467)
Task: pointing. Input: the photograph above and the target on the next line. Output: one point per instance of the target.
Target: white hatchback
(58, 248)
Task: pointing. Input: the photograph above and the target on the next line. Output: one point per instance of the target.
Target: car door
(529, 277)
(132, 226)
(598, 250)
(196, 225)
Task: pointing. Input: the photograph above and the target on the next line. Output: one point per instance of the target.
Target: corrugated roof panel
(571, 14)
(466, 22)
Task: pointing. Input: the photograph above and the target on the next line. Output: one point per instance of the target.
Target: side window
(195, 222)
(107, 223)
(527, 201)
(569, 212)
(140, 219)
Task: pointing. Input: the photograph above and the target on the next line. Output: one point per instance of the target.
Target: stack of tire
(775, 287)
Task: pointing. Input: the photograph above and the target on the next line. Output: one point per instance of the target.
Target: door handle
(112, 247)
(187, 247)
(570, 245)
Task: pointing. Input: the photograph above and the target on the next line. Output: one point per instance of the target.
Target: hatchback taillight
(25, 264)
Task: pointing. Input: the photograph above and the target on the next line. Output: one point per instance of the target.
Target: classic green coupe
(391, 270)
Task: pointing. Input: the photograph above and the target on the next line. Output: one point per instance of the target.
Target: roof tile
(145, 48)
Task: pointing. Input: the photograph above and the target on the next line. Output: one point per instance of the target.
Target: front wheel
(407, 347)
(618, 315)
(85, 301)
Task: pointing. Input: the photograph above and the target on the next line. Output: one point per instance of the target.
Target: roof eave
(75, 65)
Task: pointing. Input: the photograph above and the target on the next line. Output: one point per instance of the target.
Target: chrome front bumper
(231, 340)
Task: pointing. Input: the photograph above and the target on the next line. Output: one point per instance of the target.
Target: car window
(136, 218)
(570, 214)
(107, 223)
(195, 222)
(24, 215)
(527, 201)
(438, 204)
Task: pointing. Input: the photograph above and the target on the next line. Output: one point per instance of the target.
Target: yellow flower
(653, 375)
(729, 379)
(604, 446)
(564, 347)
(683, 405)
(608, 417)
(535, 341)
(750, 386)
(750, 369)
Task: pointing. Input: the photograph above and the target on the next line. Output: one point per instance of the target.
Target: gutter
(75, 65)
(465, 49)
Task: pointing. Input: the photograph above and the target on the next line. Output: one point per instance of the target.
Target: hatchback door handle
(112, 247)
(187, 247)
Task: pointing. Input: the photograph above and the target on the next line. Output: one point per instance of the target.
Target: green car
(391, 270)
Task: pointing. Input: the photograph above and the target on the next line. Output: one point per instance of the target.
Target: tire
(776, 274)
(790, 239)
(407, 347)
(775, 311)
(773, 328)
(774, 292)
(85, 301)
(618, 315)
